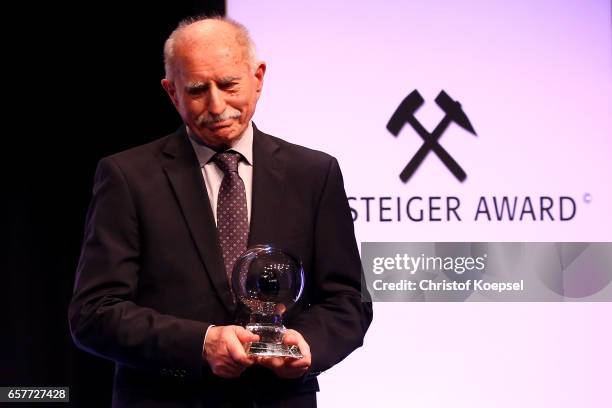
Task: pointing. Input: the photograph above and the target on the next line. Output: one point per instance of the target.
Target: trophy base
(260, 349)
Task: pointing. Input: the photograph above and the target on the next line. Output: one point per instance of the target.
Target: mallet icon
(405, 114)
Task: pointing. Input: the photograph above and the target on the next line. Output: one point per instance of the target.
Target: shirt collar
(244, 146)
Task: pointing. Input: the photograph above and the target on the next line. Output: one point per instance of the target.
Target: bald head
(196, 34)
(213, 79)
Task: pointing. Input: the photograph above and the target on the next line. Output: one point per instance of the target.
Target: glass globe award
(268, 281)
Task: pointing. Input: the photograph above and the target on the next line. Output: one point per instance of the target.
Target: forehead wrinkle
(211, 60)
(212, 37)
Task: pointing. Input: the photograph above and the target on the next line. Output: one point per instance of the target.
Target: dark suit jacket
(151, 279)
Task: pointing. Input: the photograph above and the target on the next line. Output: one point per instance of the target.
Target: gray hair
(242, 38)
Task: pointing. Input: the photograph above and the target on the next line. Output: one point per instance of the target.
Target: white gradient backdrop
(535, 79)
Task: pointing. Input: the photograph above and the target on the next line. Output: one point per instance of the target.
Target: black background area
(83, 82)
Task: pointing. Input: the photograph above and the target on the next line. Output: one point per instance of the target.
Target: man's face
(215, 89)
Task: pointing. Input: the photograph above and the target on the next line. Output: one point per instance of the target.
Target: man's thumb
(244, 335)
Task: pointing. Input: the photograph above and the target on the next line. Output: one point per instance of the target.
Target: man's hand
(290, 367)
(224, 350)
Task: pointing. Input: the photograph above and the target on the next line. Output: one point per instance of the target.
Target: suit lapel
(183, 170)
(268, 185)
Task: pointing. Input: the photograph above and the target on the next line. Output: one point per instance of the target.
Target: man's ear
(260, 71)
(170, 90)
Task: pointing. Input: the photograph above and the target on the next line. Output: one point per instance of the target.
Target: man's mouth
(219, 124)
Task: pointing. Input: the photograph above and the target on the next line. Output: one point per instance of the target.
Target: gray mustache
(207, 120)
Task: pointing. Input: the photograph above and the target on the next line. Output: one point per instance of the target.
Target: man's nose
(216, 102)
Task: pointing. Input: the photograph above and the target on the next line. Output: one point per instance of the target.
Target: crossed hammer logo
(405, 114)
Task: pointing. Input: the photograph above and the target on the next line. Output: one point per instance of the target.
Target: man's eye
(194, 92)
(228, 86)
(197, 90)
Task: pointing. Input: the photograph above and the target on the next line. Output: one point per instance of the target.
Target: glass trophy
(268, 281)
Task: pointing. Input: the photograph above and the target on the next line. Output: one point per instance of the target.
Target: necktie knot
(227, 161)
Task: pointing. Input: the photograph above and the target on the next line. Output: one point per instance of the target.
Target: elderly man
(168, 220)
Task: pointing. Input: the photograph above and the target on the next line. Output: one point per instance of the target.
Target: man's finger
(232, 364)
(271, 362)
(235, 348)
(294, 338)
(299, 363)
(291, 338)
(245, 336)
(236, 351)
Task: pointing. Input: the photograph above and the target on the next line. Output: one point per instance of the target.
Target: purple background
(535, 79)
